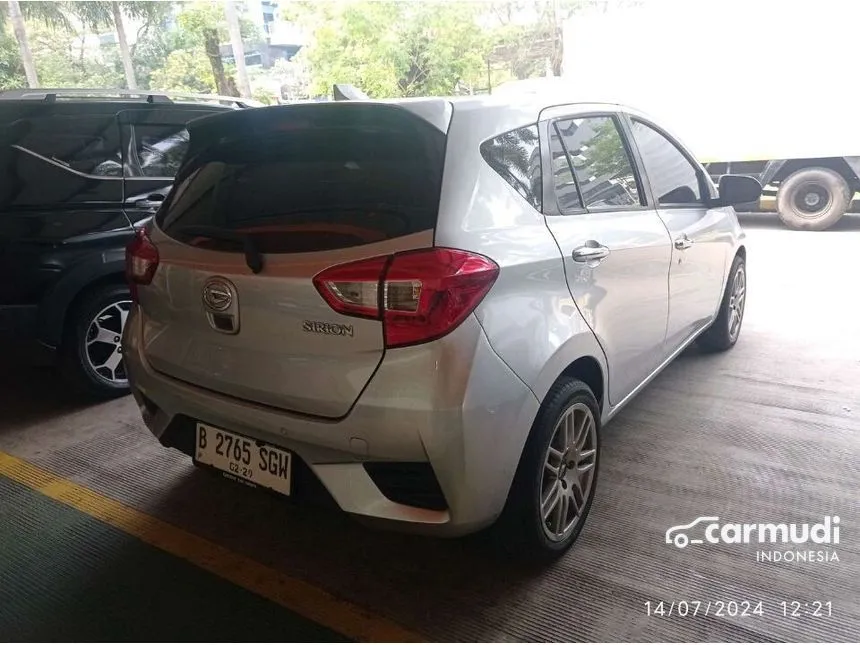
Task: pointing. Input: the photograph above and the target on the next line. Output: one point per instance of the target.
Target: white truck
(756, 87)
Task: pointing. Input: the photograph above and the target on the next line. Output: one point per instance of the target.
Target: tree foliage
(184, 70)
(97, 14)
(206, 22)
(392, 48)
(63, 63)
(11, 69)
(153, 48)
(201, 16)
(50, 14)
(387, 48)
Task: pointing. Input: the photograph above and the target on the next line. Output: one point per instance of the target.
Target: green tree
(206, 23)
(50, 13)
(11, 69)
(64, 61)
(184, 70)
(392, 48)
(525, 47)
(234, 28)
(153, 47)
(98, 14)
(154, 43)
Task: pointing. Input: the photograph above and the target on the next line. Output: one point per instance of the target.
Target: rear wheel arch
(110, 279)
(59, 305)
(579, 355)
(588, 370)
(90, 362)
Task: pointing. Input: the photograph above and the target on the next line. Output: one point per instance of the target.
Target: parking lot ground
(71, 577)
(768, 432)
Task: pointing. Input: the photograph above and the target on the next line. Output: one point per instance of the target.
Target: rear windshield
(313, 185)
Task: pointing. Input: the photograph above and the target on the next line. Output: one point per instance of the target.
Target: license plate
(248, 460)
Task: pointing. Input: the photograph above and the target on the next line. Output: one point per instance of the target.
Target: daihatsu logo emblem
(217, 294)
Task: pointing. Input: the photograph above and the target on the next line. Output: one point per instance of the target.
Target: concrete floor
(768, 432)
(69, 577)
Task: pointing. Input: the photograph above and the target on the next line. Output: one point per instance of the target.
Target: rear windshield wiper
(253, 257)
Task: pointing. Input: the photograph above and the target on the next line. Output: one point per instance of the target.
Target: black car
(79, 170)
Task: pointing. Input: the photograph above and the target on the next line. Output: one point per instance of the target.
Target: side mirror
(738, 189)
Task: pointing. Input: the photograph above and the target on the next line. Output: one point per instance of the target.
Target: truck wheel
(92, 357)
(813, 199)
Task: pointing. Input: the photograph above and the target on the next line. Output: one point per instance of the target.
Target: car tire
(723, 334)
(813, 199)
(92, 343)
(524, 530)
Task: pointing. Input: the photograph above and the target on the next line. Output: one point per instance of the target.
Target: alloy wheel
(568, 473)
(102, 344)
(737, 300)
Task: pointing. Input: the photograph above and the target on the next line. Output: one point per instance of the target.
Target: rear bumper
(449, 415)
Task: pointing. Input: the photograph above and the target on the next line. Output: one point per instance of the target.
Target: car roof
(41, 93)
(513, 107)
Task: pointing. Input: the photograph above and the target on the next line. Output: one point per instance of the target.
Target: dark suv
(79, 170)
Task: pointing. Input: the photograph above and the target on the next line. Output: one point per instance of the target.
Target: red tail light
(419, 295)
(141, 261)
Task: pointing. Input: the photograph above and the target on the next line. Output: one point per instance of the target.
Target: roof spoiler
(347, 92)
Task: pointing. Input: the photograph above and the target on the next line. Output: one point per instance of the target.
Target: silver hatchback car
(430, 306)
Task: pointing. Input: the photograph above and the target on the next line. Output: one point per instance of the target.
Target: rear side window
(89, 145)
(319, 184)
(566, 190)
(515, 155)
(598, 156)
(160, 149)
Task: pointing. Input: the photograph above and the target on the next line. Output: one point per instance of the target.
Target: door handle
(590, 252)
(150, 201)
(683, 242)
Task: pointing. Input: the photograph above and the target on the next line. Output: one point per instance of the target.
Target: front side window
(515, 155)
(673, 178)
(601, 162)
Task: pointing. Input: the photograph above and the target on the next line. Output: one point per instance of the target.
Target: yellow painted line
(296, 595)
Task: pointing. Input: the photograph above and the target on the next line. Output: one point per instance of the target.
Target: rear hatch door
(268, 198)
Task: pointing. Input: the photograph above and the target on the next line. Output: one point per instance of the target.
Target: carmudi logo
(709, 530)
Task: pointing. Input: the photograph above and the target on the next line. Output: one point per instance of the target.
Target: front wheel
(726, 329)
(555, 482)
(92, 360)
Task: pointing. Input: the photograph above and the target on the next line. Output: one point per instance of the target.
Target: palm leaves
(514, 155)
(52, 14)
(94, 14)
(16, 12)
